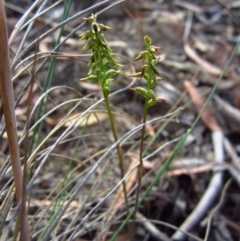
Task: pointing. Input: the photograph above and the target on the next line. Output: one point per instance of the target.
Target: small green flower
(153, 101)
(143, 55)
(90, 77)
(104, 27)
(136, 75)
(154, 49)
(88, 45)
(142, 91)
(110, 73)
(86, 35)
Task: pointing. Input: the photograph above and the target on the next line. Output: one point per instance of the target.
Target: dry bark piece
(211, 69)
(207, 117)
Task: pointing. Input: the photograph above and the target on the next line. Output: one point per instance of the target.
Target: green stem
(140, 168)
(119, 151)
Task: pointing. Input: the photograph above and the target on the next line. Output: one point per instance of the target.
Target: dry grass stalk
(6, 91)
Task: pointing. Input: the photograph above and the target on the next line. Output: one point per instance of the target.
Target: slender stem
(119, 151)
(140, 168)
(7, 95)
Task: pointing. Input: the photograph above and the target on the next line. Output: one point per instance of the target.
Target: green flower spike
(148, 72)
(101, 62)
(101, 69)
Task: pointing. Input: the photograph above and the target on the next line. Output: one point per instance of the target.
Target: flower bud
(154, 101)
(136, 75)
(145, 70)
(86, 35)
(88, 45)
(142, 55)
(147, 40)
(91, 19)
(151, 94)
(154, 49)
(142, 91)
(110, 73)
(93, 67)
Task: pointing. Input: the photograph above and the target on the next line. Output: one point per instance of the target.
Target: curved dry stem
(6, 90)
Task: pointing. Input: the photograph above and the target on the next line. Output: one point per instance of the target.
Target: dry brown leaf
(26, 95)
(150, 130)
(148, 165)
(90, 119)
(90, 86)
(207, 117)
(20, 113)
(211, 69)
(188, 171)
(119, 197)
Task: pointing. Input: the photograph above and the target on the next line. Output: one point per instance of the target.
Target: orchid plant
(103, 66)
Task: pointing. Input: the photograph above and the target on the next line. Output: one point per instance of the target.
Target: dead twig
(216, 208)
